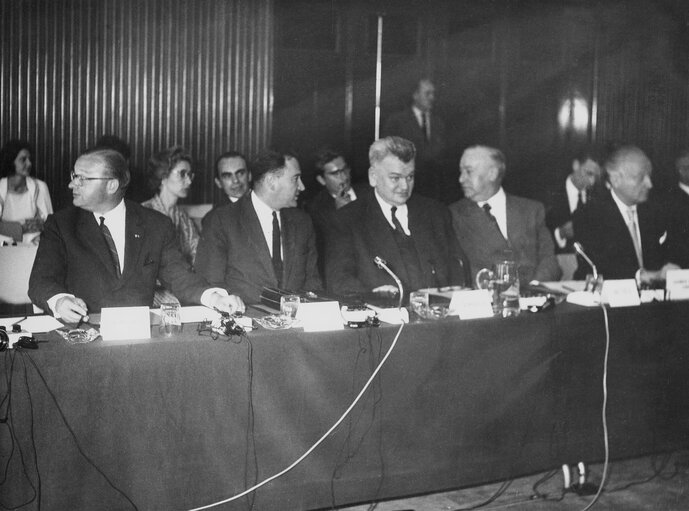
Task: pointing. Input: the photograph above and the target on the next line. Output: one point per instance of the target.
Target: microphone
(383, 265)
(580, 250)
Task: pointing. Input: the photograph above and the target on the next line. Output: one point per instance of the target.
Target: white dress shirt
(498, 208)
(625, 211)
(402, 214)
(265, 218)
(419, 118)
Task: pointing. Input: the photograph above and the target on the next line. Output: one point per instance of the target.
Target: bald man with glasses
(107, 251)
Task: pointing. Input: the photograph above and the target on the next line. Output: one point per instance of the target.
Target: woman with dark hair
(170, 175)
(23, 199)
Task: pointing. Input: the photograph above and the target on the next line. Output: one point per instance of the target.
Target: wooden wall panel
(155, 73)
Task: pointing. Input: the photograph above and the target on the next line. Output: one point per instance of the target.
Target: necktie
(634, 231)
(396, 222)
(111, 246)
(581, 201)
(487, 208)
(424, 125)
(277, 257)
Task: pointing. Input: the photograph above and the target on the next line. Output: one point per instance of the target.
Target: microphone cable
(320, 440)
(604, 413)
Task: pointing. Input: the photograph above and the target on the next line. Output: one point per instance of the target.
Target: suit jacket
(603, 232)
(404, 124)
(322, 209)
(73, 258)
(530, 244)
(233, 252)
(361, 232)
(678, 228)
(557, 213)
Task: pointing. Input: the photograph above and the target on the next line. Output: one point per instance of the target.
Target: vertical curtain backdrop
(155, 73)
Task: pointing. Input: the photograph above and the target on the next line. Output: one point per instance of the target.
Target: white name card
(320, 316)
(472, 304)
(620, 293)
(677, 285)
(125, 323)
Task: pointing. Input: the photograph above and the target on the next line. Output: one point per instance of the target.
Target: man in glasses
(106, 251)
(232, 176)
(334, 174)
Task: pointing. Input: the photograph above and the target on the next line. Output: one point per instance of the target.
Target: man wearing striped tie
(107, 251)
(624, 233)
(493, 226)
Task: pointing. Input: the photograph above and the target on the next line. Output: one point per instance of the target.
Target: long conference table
(177, 423)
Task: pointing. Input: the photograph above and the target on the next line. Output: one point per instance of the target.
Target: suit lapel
(90, 235)
(379, 234)
(288, 233)
(133, 241)
(253, 235)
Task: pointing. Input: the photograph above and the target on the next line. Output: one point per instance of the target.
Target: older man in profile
(412, 233)
(624, 232)
(107, 251)
(492, 226)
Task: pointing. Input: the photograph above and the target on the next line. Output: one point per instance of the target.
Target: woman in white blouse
(23, 199)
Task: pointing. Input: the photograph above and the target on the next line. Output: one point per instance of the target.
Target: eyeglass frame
(182, 174)
(73, 176)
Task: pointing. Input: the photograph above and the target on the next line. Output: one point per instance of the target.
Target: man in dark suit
(678, 225)
(334, 174)
(412, 233)
(577, 191)
(624, 233)
(262, 240)
(105, 251)
(426, 130)
(492, 226)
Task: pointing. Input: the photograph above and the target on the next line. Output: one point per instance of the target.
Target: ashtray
(436, 311)
(79, 335)
(275, 322)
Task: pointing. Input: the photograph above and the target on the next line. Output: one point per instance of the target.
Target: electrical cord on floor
(73, 434)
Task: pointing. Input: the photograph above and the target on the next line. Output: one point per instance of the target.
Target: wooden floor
(657, 483)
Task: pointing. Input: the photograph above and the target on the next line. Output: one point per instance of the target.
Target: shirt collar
(262, 209)
(496, 201)
(621, 205)
(115, 214)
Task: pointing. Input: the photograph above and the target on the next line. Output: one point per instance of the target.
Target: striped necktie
(107, 236)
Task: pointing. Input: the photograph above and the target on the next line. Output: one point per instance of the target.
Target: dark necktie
(277, 257)
(107, 236)
(424, 125)
(396, 222)
(580, 201)
(487, 208)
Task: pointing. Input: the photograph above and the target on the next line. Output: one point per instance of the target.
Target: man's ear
(320, 179)
(372, 177)
(217, 183)
(112, 186)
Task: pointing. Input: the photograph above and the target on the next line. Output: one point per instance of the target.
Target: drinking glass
(170, 319)
(289, 305)
(503, 284)
(418, 303)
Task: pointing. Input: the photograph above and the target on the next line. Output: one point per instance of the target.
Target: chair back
(15, 269)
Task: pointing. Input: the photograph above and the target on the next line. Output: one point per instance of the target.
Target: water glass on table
(418, 303)
(289, 304)
(170, 319)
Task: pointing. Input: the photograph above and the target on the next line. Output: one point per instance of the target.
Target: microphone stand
(383, 265)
